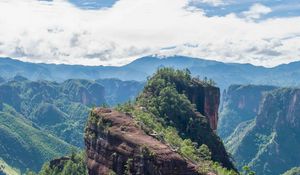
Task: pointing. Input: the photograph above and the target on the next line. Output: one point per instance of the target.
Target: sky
(116, 32)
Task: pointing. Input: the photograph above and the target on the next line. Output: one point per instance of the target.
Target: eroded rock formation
(270, 143)
(122, 147)
(240, 103)
(207, 100)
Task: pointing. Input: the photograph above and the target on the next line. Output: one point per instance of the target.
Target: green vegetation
(7, 170)
(241, 103)
(42, 120)
(188, 149)
(60, 109)
(164, 111)
(73, 165)
(112, 173)
(128, 167)
(167, 96)
(293, 171)
(118, 92)
(151, 126)
(23, 145)
(269, 143)
(248, 171)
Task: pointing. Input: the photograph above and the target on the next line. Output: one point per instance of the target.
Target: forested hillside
(240, 103)
(41, 120)
(269, 143)
(161, 132)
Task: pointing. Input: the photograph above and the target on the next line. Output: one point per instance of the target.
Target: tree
(248, 171)
(204, 152)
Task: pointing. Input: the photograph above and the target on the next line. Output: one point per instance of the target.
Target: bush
(76, 165)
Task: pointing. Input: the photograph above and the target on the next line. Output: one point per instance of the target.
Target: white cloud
(210, 2)
(58, 32)
(256, 11)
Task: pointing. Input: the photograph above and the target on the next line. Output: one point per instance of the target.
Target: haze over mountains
(149, 87)
(224, 74)
(48, 105)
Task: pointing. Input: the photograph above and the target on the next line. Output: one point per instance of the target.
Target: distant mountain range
(41, 120)
(224, 74)
(43, 107)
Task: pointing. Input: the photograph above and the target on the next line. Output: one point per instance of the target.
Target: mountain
(118, 91)
(61, 72)
(126, 145)
(59, 108)
(270, 142)
(224, 74)
(240, 103)
(162, 132)
(2, 80)
(6, 169)
(25, 146)
(293, 171)
(161, 121)
(56, 112)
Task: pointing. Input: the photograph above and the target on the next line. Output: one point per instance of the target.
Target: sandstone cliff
(240, 103)
(270, 143)
(123, 147)
(207, 100)
(173, 119)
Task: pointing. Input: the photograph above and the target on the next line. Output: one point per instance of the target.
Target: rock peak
(122, 146)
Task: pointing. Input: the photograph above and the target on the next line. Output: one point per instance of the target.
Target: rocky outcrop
(270, 143)
(207, 100)
(240, 103)
(211, 105)
(115, 143)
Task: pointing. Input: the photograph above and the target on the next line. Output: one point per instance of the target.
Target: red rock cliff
(211, 105)
(122, 147)
(207, 100)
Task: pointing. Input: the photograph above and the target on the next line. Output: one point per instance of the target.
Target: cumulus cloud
(256, 11)
(58, 32)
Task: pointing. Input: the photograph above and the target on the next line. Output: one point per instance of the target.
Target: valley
(149, 87)
(45, 115)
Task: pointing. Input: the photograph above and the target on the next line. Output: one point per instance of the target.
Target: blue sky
(109, 32)
(280, 8)
(93, 4)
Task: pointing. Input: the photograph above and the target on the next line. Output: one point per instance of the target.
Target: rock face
(270, 143)
(207, 100)
(123, 147)
(211, 105)
(240, 103)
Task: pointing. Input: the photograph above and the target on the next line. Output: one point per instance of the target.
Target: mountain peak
(19, 78)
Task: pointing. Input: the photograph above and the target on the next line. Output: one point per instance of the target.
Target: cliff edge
(115, 143)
